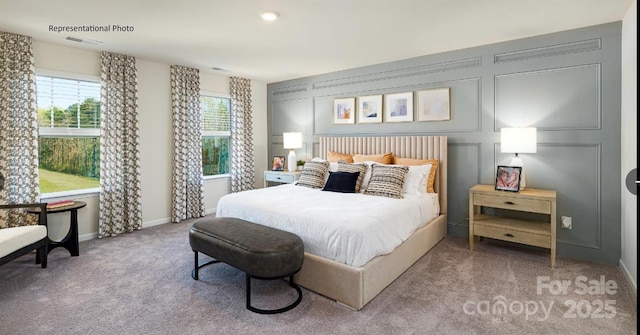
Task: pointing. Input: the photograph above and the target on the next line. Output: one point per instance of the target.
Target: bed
(353, 278)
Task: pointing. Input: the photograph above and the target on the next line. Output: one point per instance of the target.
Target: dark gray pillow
(361, 168)
(343, 182)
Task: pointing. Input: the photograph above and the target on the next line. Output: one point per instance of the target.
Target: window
(216, 134)
(69, 133)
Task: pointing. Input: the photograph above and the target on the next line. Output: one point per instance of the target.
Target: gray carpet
(140, 283)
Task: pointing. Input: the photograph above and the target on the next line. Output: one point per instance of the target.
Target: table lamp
(292, 141)
(518, 140)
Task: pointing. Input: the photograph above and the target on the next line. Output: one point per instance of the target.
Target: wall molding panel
(566, 84)
(585, 208)
(290, 89)
(572, 98)
(465, 162)
(548, 51)
(400, 73)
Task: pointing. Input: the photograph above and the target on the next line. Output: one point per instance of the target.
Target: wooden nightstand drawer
(513, 235)
(513, 203)
(279, 177)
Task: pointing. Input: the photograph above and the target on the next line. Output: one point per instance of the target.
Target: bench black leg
(196, 267)
(272, 311)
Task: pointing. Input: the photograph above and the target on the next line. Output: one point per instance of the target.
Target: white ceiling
(311, 36)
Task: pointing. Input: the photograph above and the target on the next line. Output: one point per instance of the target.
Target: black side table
(70, 241)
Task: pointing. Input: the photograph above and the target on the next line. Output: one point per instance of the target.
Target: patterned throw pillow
(387, 181)
(360, 168)
(313, 174)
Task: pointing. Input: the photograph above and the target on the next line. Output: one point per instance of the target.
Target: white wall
(156, 143)
(629, 259)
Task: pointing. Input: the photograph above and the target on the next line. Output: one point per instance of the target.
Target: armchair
(18, 241)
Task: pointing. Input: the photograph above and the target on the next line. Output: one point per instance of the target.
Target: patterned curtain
(188, 190)
(242, 167)
(18, 128)
(120, 206)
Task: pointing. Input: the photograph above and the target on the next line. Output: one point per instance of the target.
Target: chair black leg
(44, 252)
(41, 255)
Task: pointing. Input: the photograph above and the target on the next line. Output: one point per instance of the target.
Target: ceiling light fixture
(269, 15)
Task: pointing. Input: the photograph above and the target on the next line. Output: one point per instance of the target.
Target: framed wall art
(398, 107)
(370, 109)
(344, 111)
(433, 105)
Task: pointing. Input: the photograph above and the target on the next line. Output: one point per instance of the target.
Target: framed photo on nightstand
(508, 178)
(278, 163)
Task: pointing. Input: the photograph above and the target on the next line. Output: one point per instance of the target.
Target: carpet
(140, 283)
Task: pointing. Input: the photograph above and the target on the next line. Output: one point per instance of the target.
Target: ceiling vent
(82, 40)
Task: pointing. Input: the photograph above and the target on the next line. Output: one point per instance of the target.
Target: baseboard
(630, 279)
(91, 236)
(86, 237)
(155, 222)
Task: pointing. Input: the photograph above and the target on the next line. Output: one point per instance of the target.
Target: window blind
(67, 103)
(215, 115)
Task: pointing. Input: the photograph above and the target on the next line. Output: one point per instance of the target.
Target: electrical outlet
(566, 222)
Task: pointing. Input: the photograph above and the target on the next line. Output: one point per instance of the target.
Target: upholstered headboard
(418, 147)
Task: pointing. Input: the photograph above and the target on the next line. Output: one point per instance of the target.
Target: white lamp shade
(292, 140)
(518, 140)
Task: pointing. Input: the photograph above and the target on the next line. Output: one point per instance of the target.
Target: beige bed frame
(355, 287)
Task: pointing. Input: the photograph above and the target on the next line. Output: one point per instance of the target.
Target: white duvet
(350, 228)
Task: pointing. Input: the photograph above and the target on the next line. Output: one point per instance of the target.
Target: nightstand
(535, 233)
(283, 177)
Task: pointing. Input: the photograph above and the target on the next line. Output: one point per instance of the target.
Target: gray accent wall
(566, 84)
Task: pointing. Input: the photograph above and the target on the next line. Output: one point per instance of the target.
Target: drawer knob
(508, 235)
(509, 202)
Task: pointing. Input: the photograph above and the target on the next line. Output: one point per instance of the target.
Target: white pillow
(333, 166)
(367, 175)
(416, 180)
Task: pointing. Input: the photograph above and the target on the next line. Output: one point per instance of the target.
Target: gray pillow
(387, 181)
(313, 174)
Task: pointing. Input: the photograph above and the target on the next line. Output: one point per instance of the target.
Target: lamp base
(517, 161)
(291, 166)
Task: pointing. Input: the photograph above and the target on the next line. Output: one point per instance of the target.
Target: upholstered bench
(259, 251)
